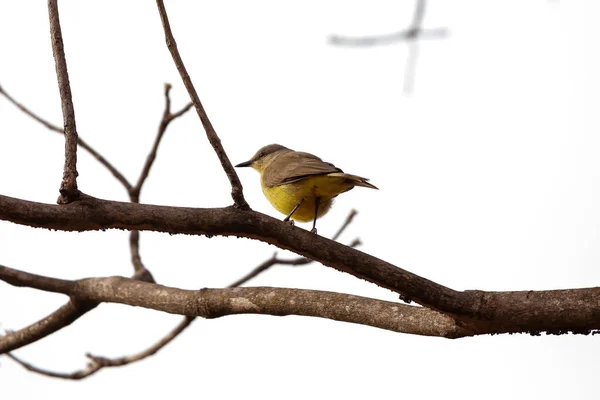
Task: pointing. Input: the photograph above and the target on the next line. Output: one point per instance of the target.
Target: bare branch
(80, 141)
(91, 368)
(410, 35)
(418, 14)
(93, 214)
(134, 192)
(482, 312)
(167, 118)
(410, 70)
(347, 222)
(364, 41)
(215, 303)
(236, 186)
(68, 186)
(294, 261)
(59, 319)
(97, 363)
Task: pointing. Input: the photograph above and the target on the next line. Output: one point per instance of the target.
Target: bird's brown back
(292, 166)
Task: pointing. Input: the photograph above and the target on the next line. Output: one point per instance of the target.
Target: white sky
(488, 174)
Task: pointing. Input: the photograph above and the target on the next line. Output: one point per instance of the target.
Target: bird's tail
(355, 180)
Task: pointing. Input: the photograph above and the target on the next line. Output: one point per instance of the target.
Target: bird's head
(263, 157)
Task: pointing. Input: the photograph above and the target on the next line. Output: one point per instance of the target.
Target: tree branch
(134, 192)
(236, 186)
(68, 186)
(216, 303)
(97, 363)
(93, 214)
(59, 319)
(576, 310)
(167, 118)
(274, 260)
(80, 141)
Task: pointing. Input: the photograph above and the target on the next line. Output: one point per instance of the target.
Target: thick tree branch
(236, 186)
(215, 303)
(68, 186)
(576, 310)
(93, 214)
(274, 260)
(80, 141)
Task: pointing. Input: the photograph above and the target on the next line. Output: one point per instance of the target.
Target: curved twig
(167, 118)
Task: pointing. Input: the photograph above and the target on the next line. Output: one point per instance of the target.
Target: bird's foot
(290, 222)
(313, 230)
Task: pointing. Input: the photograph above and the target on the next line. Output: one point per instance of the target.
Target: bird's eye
(261, 155)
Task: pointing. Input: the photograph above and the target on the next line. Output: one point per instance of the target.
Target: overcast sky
(489, 176)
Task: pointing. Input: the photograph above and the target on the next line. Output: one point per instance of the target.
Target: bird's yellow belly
(285, 197)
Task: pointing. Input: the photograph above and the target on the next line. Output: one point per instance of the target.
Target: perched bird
(299, 184)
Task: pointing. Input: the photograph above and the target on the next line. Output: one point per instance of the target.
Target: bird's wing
(294, 166)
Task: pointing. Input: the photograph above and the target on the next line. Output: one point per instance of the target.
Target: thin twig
(68, 186)
(96, 363)
(134, 193)
(167, 118)
(237, 192)
(80, 141)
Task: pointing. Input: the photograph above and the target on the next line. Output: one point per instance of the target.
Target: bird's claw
(313, 230)
(290, 221)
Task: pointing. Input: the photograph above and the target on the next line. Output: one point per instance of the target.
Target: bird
(299, 184)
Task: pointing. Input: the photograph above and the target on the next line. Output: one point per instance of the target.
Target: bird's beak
(244, 164)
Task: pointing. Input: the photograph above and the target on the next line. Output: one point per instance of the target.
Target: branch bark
(556, 311)
(68, 186)
(216, 303)
(274, 260)
(237, 191)
(59, 319)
